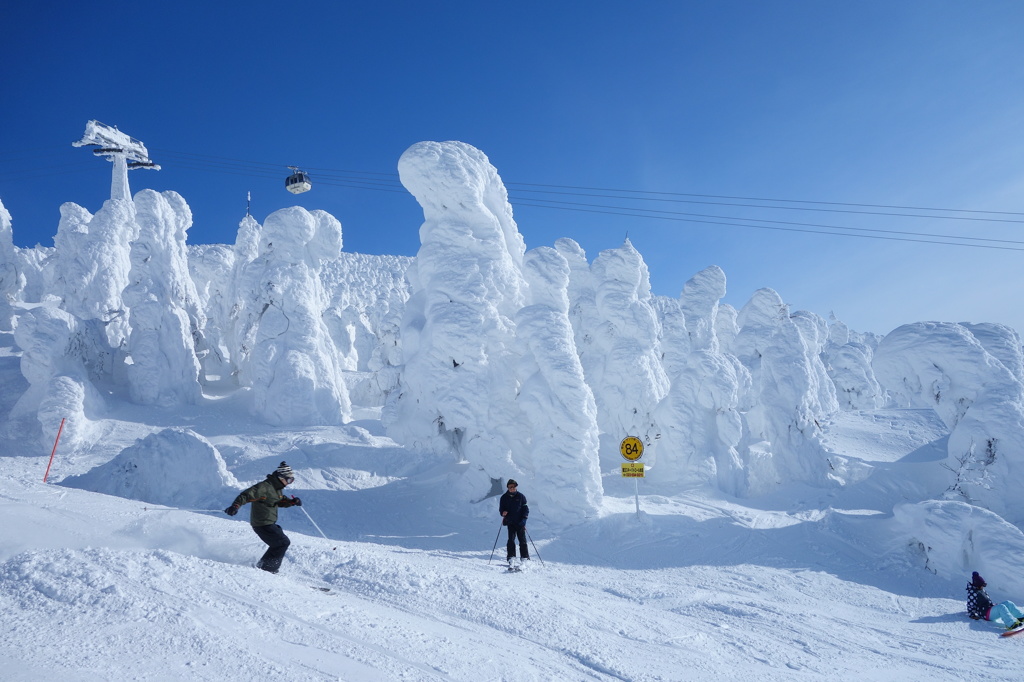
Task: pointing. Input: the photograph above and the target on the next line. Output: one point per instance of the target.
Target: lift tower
(124, 151)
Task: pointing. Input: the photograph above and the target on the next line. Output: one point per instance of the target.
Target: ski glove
(232, 510)
(293, 502)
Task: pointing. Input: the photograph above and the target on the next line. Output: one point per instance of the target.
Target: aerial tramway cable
(532, 195)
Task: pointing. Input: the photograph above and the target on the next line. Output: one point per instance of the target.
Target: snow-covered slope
(806, 585)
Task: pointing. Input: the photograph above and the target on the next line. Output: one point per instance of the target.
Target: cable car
(298, 182)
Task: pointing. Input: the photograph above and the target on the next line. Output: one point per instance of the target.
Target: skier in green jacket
(266, 497)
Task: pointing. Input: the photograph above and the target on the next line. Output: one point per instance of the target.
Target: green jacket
(265, 497)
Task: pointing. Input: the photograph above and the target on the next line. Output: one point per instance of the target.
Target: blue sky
(911, 103)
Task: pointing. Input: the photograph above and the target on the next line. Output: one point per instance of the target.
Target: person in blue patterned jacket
(981, 607)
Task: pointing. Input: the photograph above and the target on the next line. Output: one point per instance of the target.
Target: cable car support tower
(124, 151)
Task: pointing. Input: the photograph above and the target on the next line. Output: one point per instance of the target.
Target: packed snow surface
(805, 585)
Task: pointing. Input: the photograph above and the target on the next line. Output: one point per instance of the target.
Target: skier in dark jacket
(980, 607)
(266, 499)
(514, 512)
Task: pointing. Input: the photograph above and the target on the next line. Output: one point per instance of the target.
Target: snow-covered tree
(93, 263)
(59, 360)
(292, 365)
(790, 397)
(164, 313)
(457, 390)
(943, 366)
(12, 282)
(620, 356)
(559, 444)
(700, 422)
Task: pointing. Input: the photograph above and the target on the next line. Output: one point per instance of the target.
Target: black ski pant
(277, 545)
(513, 533)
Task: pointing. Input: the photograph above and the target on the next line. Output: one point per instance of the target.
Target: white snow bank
(955, 538)
(175, 467)
(943, 366)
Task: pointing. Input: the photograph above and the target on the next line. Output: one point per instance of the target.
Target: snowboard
(1013, 631)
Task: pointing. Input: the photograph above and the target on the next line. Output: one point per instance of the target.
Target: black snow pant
(513, 533)
(277, 545)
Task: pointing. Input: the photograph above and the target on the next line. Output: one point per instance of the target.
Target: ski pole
(314, 524)
(534, 546)
(495, 543)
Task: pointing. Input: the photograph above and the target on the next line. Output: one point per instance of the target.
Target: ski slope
(807, 584)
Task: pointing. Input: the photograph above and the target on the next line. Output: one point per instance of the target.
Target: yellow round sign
(632, 448)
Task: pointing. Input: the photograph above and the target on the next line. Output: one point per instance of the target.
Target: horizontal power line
(780, 228)
(554, 204)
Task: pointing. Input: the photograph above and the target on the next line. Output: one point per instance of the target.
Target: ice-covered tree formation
(12, 282)
(943, 366)
(848, 361)
(457, 389)
(699, 302)
(368, 293)
(211, 268)
(166, 322)
(93, 262)
(790, 396)
(558, 437)
(699, 418)
(292, 365)
(59, 360)
(620, 353)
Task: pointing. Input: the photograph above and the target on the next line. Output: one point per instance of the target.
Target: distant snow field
(813, 504)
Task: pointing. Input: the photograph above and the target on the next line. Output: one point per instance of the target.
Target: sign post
(632, 449)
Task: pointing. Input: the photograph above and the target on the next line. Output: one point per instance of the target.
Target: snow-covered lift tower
(124, 151)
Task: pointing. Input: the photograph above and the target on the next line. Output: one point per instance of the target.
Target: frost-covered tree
(292, 365)
(1003, 343)
(244, 297)
(457, 390)
(700, 422)
(943, 366)
(790, 397)
(176, 467)
(59, 360)
(164, 313)
(848, 362)
(699, 301)
(559, 447)
(211, 268)
(620, 358)
(12, 282)
(93, 262)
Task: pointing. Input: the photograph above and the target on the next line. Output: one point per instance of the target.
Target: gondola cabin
(298, 182)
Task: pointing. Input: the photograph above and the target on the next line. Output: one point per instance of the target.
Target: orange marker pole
(54, 451)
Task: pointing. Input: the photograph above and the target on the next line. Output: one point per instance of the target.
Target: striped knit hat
(284, 471)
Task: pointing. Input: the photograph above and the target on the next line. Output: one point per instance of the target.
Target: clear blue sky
(909, 103)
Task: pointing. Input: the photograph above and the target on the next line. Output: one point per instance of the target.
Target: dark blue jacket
(515, 505)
